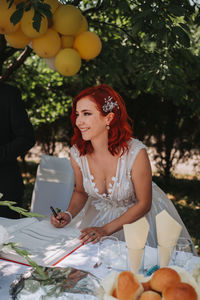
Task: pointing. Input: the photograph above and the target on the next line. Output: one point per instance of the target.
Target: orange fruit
(27, 24)
(17, 39)
(6, 27)
(84, 25)
(48, 44)
(67, 62)
(67, 41)
(67, 19)
(88, 44)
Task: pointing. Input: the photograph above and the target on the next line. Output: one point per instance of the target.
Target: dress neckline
(111, 186)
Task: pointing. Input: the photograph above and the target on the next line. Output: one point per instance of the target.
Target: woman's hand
(61, 220)
(92, 234)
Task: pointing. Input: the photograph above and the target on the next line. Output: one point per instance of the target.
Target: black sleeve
(21, 135)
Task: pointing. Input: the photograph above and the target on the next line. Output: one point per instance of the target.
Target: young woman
(112, 171)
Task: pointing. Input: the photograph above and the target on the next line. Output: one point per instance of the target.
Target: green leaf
(183, 37)
(20, 5)
(28, 7)
(185, 27)
(150, 83)
(20, 210)
(31, 214)
(17, 209)
(37, 18)
(45, 9)
(24, 253)
(11, 3)
(21, 252)
(38, 268)
(136, 28)
(7, 203)
(142, 15)
(176, 10)
(16, 16)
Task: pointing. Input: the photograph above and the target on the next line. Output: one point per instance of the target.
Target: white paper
(164, 255)
(168, 230)
(43, 241)
(13, 225)
(135, 258)
(136, 233)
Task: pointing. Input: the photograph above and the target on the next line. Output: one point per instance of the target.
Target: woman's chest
(117, 185)
(103, 173)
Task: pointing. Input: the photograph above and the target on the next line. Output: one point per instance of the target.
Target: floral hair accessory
(109, 104)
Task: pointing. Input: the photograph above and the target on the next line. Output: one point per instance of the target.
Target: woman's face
(89, 120)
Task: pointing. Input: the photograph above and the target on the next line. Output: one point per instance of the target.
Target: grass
(182, 190)
(184, 193)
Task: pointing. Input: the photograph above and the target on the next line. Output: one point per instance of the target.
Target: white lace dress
(101, 209)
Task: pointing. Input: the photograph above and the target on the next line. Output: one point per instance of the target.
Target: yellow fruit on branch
(48, 44)
(6, 27)
(67, 41)
(88, 45)
(67, 62)
(17, 39)
(27, 24)
(84, 26)
(67, 19)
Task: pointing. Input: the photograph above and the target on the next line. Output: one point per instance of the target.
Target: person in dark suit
(16, 138)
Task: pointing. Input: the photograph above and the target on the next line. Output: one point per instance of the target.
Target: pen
(53, 211)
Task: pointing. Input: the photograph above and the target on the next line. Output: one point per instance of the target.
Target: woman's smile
(83, 129)
(89, 120)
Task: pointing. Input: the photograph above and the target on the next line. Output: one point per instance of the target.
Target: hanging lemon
(6, 27)
(67, 19)
(88, 44)
(17, 39)
(48, 44)
(84, 25)
(67, 41)
(27, 24)
(67, 62)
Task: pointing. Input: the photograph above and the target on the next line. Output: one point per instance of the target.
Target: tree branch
(18, 62)
(116, 26)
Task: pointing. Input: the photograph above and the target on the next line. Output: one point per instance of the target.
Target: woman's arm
(77, 202)
(142, 179)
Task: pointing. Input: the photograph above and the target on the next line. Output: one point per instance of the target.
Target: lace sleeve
(134, 149)
(75, 154)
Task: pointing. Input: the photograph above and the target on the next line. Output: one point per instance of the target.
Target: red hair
(120, 131)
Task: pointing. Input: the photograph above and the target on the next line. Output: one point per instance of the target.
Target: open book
(46, 244)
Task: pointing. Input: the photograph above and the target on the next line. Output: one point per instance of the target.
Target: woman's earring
(107, 127)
